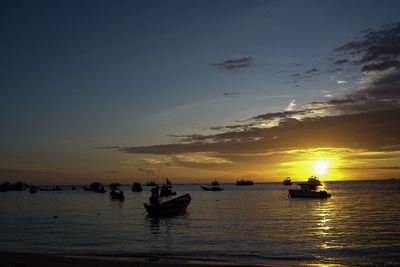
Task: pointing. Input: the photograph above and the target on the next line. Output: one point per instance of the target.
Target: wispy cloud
(234, 64)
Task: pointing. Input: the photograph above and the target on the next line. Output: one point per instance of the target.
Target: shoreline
(10, 259)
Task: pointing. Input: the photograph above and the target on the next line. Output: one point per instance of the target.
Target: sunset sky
(199, 90)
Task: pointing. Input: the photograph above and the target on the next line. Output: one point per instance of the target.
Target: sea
(259, 224)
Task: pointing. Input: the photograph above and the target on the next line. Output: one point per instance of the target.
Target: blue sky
(82, 74)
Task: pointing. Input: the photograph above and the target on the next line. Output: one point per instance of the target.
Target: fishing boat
(166, 189)
(213, 188)
(137, 187)
(151, 183)
(158, 208)
(309, 189)
(117, 194)
(33, 189)
(244, 182)
(95, 187)
(215, 183)
(287, 181)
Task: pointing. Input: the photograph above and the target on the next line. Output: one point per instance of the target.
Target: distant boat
(137, 187)
(117, 194)
(33, 189)
(56, 188)
(166, 191)
(244, 182)
(18, 186)
(213, 188)
(214, 183)
(95, 187)
(114, 186)
(287, 181)
(157, 208)
(309, 189)
(151, 183)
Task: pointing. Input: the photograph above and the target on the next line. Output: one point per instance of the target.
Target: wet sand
(36, 260)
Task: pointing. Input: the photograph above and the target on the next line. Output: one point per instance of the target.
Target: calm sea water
(359, 225)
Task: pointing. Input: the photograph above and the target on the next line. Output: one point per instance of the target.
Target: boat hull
(214, 188)
(294, 193)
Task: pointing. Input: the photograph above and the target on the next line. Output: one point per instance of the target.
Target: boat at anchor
(309, 189)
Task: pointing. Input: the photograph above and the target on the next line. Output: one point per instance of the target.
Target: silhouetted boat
(166, 189)
(215, 183)
(117, 194)
(18, 186)
(287, 181)
(244, 182)
(137, 187)
(175, 206)
(213, 188)
(309, 189)
(95, 187)
(33, 189)
(45, 189)
(114, 186)
(151, 183)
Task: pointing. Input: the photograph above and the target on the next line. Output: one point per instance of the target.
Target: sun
(320, 167)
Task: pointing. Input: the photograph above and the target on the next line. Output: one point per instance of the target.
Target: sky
(199, 90)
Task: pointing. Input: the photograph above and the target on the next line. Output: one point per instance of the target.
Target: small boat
(18, 186)
(215, 183)
(213, 188)
(151, 183)
(287, 181)
(166, 191)
(137, 187)
(116, 194)
(33, 189)
(244, 182)
(45, 189)
(56, 188)
(95, 187)
(309, 190)
(157, 208)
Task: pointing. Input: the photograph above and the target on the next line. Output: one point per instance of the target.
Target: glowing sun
(320, 167)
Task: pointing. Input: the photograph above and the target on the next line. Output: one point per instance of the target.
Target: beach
(38, 260)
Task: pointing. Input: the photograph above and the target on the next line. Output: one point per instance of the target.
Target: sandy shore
(35, 260)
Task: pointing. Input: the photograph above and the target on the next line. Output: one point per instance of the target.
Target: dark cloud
(358, 131)
(375, 46)
(234, 64)
(302, 76)
(231, 94)
(381, 66)
(311, 71)
(341, 61)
